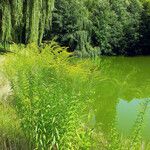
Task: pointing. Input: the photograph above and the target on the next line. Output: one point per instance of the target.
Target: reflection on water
(127, 113)
(122, 85)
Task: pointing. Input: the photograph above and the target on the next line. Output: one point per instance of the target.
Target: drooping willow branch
(25, 21)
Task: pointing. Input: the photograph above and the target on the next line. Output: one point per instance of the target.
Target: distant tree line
(87, 27)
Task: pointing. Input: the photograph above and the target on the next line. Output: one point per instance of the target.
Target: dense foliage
(25, 21)
(144, 43)
(53, 102)
(89, 27)
(48, 98)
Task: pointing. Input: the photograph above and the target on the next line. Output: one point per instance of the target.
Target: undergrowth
(50, 95)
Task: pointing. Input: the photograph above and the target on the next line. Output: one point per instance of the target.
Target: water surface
(124, 86)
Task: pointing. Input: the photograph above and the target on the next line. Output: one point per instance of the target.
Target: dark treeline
(87, 27)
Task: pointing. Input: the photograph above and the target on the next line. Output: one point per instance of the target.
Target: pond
(121, 94)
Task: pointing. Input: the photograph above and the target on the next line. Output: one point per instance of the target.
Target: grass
(50, 93)
(11, 134)
(49, 97)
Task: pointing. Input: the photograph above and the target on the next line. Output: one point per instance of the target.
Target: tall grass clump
(48, 96)
(11, 135)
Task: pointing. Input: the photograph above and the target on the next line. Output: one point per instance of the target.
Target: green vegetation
(88, 27)
(51, 97)
(24, 21)
(48, 97)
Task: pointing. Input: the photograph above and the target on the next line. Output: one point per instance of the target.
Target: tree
(25, 21)
(115, 24)
(144, 44)
(72, 25)
(87, 27)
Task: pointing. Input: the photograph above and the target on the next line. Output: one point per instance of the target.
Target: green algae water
(124, 85)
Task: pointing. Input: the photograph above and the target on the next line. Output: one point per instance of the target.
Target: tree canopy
(25, 21)
(88, 27)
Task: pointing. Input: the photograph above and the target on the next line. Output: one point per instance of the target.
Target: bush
(48, 96)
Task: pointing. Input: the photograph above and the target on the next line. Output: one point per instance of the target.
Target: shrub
(48, 97)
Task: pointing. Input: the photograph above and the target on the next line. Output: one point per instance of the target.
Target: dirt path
(5, 88)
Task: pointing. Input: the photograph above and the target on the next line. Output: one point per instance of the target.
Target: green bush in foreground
(48, 97)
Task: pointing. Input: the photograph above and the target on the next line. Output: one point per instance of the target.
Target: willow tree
(72, 26)
(25, 21)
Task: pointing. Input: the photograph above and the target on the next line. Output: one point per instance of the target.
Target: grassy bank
(11, 135)
(50, 94)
